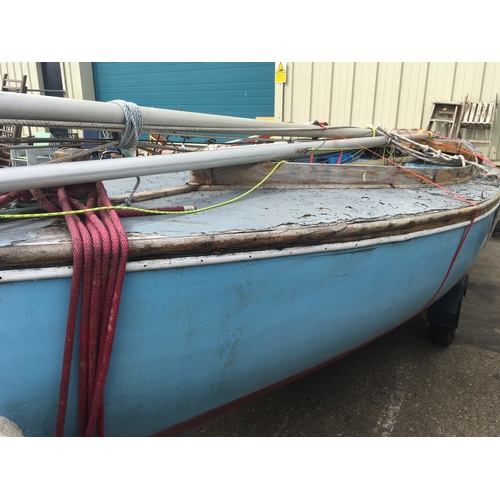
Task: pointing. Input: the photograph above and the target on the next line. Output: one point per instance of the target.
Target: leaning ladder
(447, 114)
(479, 116)
(8, 134)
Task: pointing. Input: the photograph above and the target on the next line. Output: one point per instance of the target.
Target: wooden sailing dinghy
(177, 313)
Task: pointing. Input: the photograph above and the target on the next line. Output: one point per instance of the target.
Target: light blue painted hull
(191, 339)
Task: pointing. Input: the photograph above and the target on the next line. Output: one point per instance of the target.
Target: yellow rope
(143, 210)
(372, 128)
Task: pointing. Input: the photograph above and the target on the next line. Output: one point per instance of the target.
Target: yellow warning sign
(280, 76)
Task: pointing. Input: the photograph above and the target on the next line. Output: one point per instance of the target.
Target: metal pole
(60, 174)
(45, 108)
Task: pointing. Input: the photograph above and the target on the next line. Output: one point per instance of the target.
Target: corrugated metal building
(394, 94)
(397, 95)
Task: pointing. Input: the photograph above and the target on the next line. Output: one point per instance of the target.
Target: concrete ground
(400, 385)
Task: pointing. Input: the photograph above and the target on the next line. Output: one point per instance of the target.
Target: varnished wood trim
(295, 175)
(36, 254)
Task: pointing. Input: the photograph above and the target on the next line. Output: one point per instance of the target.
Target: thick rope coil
(83, 152)
(426, 153)
(133, 125)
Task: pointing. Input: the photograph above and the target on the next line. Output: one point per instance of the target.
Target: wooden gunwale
(34, 253)
(297, 175)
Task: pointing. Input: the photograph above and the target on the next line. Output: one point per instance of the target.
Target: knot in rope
(133, 124)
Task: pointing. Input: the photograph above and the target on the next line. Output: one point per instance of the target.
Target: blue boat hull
(195, 337)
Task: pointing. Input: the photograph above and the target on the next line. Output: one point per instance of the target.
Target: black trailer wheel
(444, 314)
(441, 335)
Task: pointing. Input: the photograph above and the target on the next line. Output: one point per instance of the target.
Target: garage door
(232, 89)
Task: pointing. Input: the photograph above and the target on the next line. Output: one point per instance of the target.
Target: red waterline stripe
(186, 425)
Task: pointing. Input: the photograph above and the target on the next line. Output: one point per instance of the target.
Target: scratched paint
(265, 209)
(192, 339)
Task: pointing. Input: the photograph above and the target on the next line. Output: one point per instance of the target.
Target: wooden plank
(489, 112)
(153, 194)
(297, 175)
(478, 115)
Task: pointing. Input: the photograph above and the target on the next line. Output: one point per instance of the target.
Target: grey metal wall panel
(34, 80)
(394, 94)
(16, 70)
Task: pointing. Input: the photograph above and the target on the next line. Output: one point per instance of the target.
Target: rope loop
(429, 154)
(133, 124)
(372, 128)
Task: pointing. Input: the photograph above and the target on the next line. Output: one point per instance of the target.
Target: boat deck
(264, 219)
(269, 208)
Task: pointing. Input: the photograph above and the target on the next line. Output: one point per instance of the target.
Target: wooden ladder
(478, 116)
(447, 113)
(10, 132)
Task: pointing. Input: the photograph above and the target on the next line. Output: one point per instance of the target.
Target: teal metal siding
(233, 89)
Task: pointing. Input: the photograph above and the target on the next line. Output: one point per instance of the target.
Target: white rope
(431, 155)
(82, 152)
(133, 125)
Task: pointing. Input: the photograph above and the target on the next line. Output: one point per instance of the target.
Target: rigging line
(464, 236)
(456, 195)
(492, 171)
(300, 131)
(462, 241)
(143, 210)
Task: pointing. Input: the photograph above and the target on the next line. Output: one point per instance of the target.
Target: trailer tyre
(441, 335)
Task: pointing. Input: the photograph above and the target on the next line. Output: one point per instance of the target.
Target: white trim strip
(36, 274)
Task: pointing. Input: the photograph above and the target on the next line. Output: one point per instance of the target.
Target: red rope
(7, 198)
(108, 293)
(78, 262)
(39, 196)
(90, 314)
(462, 241)
(100, 250)
(96, 410)
(123, 212)
(86, 293)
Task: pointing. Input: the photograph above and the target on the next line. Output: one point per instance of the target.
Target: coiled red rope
(112, 297)
(78, 265)
(100, 251)
(100, 248)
